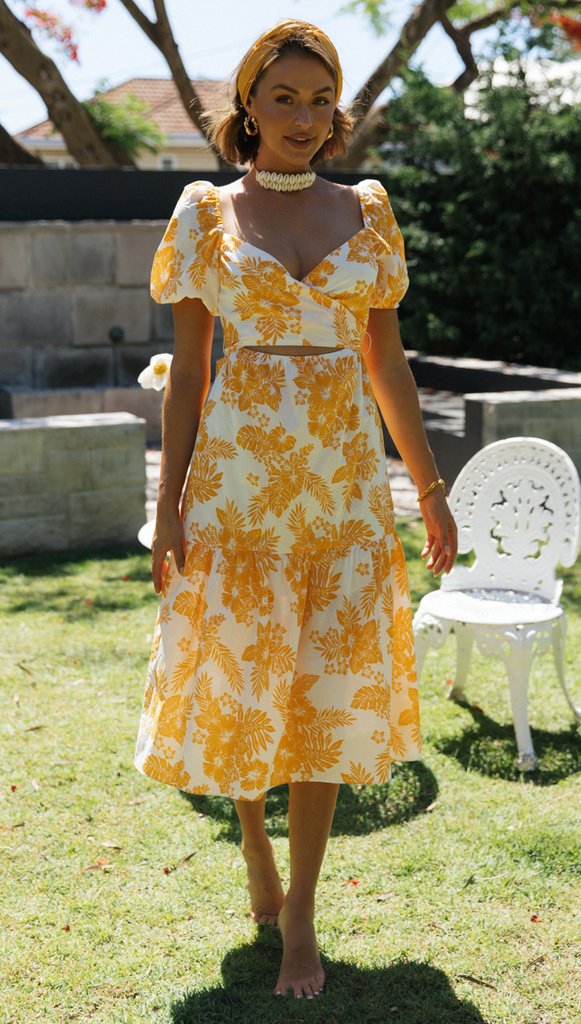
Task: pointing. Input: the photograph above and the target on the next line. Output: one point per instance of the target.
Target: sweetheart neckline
(273, 259)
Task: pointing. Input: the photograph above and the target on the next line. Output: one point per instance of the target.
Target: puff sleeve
(186, 261)
(392, 280)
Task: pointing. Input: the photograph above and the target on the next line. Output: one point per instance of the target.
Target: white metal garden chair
(517, 506)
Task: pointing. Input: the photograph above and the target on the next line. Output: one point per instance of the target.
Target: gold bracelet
(431, 488)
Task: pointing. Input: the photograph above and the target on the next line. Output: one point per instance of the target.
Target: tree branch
(423, 17)
(413, 32)
(142, 20)
(461, 39)
(66, 113)
(161, 35)
(12, 152)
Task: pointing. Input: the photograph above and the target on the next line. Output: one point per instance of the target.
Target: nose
(303, 115)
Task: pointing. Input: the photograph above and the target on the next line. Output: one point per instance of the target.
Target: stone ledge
(464, 375)
(80, 422)
(23, 403)
(537, 398)
(71, 481)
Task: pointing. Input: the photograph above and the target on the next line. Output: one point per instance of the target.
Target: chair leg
(464, 642)
(518, 663)
(428, 632)
(558, 638)
(421, 644)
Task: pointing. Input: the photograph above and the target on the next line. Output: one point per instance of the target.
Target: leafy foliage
(126, 123)
(377, 12)
(486, 198)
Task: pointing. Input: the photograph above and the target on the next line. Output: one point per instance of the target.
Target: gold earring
(247, 120)
(330, 132)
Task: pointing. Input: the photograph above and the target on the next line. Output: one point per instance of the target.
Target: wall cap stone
(516, 397)
(78, 422)
(544, 373)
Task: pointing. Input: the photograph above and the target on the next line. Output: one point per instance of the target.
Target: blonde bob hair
(227, 134)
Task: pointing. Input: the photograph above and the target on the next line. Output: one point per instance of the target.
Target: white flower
(145, 535)
(156, 374)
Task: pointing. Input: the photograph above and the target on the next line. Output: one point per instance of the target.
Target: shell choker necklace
(284, 182)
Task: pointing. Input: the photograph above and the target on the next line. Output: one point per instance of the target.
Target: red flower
(571, 27)
(53, 27)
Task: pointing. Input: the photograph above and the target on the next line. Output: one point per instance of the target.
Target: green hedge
(489, 212)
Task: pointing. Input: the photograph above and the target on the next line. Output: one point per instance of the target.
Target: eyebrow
(289, 88)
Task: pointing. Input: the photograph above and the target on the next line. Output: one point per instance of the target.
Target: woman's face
(295, 97)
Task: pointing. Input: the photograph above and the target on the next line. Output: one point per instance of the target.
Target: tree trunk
(160, 34)
(64, 110)
(11, 152)
(368, 131)
(421, 20)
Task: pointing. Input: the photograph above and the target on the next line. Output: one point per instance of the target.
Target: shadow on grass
(30, 582)
(359, 810)
(404, 991)
(490, 749)
(59, 563)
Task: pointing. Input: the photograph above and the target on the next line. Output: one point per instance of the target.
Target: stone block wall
(553, 415)
(63, 286)
(70, 482)
(22, 403)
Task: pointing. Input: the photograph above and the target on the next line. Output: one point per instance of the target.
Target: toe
(262, 917)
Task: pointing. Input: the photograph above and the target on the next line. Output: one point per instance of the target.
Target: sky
(212, 36)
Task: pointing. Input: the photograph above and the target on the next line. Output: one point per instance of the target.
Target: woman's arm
(185, 393)
(397, 398)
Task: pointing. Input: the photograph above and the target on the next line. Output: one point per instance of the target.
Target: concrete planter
(70, 482)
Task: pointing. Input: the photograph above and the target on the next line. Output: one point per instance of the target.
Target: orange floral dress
(285, 650)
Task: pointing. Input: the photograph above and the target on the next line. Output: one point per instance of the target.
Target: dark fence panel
(124, 193)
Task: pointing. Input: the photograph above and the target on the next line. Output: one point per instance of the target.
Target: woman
(283, 649)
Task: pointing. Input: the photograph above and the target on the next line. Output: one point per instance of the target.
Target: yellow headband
(270, 40)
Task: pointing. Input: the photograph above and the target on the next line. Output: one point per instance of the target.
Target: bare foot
(264, 884)
(301, 968)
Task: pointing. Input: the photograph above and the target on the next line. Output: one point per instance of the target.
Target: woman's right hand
(168, 536)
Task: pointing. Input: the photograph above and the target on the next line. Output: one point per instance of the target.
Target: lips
(298, 143)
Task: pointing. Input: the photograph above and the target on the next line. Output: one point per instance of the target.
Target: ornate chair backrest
(517, 506)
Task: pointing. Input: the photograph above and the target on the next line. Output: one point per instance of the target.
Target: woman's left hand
(441, 532)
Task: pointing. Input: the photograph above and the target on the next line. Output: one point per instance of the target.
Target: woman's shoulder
(197, 205)
(195, 191)
(380, 215)
(372, 187)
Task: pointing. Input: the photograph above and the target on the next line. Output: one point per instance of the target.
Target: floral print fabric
(291, 449)
(256, 298)
(285, 650)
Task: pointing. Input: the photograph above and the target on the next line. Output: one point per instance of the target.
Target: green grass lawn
(447, 895)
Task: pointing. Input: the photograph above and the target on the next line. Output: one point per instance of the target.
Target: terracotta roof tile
(163, 102)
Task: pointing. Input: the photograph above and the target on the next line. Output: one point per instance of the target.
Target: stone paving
(402, 488)
(442, 410)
